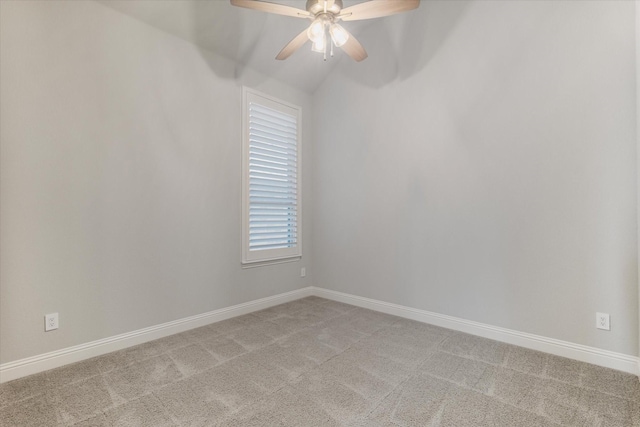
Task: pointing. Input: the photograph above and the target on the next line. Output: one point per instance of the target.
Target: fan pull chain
(328, 39)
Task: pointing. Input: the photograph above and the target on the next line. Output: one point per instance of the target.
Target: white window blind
(271, 206)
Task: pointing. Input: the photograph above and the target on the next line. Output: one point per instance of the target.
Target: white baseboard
(596, 356)
(32, 365)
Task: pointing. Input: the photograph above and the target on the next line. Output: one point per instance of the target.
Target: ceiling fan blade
(354, 49)
(293, 45)
(265, 6)
(377, 9)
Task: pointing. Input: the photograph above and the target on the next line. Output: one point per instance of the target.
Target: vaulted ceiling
(253, 38)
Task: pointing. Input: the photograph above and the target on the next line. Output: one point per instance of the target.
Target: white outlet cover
(303, 272)
(50, 322)
(603, 321)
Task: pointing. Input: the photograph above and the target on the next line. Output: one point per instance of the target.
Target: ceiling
(248, 37)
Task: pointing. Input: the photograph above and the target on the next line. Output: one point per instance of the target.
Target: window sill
(253, 264)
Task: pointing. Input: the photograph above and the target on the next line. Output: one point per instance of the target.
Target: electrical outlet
(603, 321)
(50, 322)
(303, 272)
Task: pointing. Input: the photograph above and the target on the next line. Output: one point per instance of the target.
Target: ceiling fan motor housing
(317, 6)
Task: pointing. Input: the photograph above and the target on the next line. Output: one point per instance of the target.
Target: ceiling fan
(324, 31)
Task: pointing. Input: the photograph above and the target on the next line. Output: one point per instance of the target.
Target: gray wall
(487, 170)
(481, 163)
(120, 178)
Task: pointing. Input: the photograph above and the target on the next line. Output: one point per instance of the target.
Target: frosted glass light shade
(316, 30)
(319, 44)
(338, 34)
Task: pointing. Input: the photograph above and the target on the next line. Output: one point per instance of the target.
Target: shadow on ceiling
(404, 44)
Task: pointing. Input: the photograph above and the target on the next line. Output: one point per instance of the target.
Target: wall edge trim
(42, 362)
(54, 359)
(583, 353)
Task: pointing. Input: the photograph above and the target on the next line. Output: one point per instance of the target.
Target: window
(271, 179)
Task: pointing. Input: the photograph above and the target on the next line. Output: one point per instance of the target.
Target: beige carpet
(315, 362)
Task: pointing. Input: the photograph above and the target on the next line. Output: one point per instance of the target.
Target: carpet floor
(315, 362)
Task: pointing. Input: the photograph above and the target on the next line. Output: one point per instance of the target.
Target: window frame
(278, 255)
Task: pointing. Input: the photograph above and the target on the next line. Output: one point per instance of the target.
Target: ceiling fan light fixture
(316, 30)
(319, 44)
(338, 34)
